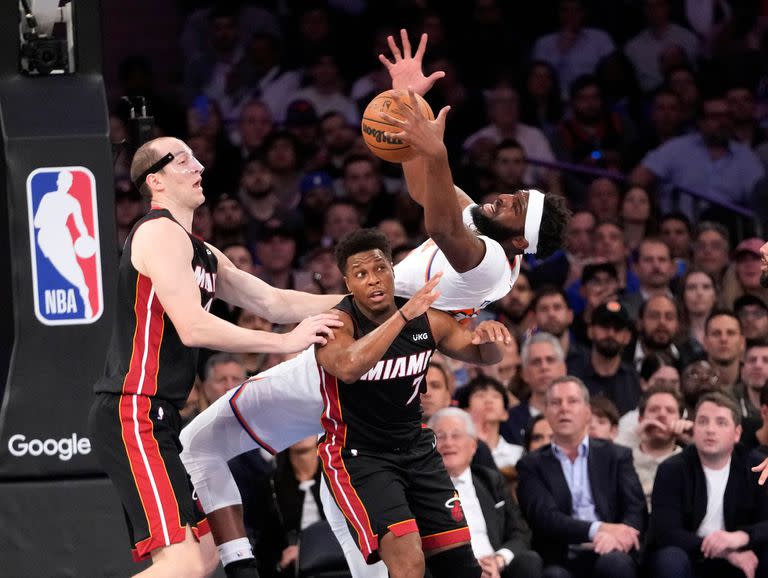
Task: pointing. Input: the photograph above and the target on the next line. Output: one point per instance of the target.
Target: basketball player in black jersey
(166, 282)
(380, 464)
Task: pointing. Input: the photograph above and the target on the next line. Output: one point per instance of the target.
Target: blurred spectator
(485, 399)
(706, 161)
(710, 250)
(284, 503)
(573, 50)
(538, 433)
(202, 223)
(262, 73)
(698, 298)
(325, 87)
(439, 393)
(222, 167)
(603, 199)
(254, 363)
(599, 284)
(281, 152)
(276, 252)
(752, 311)
(501, 540)
(128, 210)
(191, 407)
(754, 375)
(658, 325)
(303, 123)
(508, 167)
(257, 195)
(604, 424)
(654, 372)
(229, 220)
(395, 232)
(637, 216)
(341, 217)
(317, 194)
(697, 379)
(543, 361)
(552, 315)
(223, 371)
(666, 122)
(326, 277)
(241, 257)
(512, 309)
(677, 232)
(363, 185)
(744, 123)
(580, 490)
(694, 528)
(660, 423)
(645, 49)
(540, 103)
(681, 80)
(724, 344)
(564, 267)
(504, 117)
(255, 123)
(755, 435)
(507, 372)
(743, 276)
(376, 79)
(338, 137)
(603, 370)
(655, 269)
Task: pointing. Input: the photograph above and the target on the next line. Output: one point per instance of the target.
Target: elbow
(190, 334)
(491, 358)
(350, 370)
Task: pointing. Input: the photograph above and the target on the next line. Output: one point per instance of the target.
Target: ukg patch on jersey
(64, 245)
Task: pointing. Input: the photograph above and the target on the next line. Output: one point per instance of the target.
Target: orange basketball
(373, 126)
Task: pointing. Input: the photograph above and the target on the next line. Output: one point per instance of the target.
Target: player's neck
(378, 317)
(182, 214)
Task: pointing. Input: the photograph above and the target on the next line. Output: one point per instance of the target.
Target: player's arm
(484, 345)
(349, 359)
(175, 286)
(276, 305)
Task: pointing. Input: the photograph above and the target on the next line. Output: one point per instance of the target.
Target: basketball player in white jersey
(283, 405)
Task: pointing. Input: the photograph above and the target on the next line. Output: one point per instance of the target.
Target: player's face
(182, 177)
(371, 280)
(508, 210)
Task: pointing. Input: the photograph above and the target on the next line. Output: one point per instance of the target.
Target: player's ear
(519, 243)
(346, 284)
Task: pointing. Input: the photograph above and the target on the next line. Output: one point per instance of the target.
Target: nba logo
(64, 244)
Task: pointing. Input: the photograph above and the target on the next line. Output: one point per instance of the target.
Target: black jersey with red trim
(381, 410)
(146, 355)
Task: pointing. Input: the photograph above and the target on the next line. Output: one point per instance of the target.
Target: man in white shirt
(501, 540)
(709, 517)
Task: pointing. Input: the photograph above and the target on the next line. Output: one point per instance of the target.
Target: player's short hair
(554, 221)
(359, 241)
(146, 156)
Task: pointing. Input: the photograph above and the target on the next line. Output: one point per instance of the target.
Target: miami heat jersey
(381, 410)
(146, 355)
(461, 294)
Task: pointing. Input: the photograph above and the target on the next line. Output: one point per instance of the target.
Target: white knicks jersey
(461, 294)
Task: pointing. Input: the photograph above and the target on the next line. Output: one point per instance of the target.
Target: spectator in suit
(578, 491)
(710, 517)
(501, 540)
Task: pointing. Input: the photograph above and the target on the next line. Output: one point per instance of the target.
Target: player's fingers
(434, 77)
(392, 119)
(406, 43)
(422, 47)
(415, 108)
(395, 50)
(385, 61)
(329, 318)
(319, 339)
(442, 115)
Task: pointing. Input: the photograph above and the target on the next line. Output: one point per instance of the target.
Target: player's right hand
(406, 70)
(422, 299)
(314, 329)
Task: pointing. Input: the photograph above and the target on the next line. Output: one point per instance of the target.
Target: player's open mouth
(377, 296)
(198, 183)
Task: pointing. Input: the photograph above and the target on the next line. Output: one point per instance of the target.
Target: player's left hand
(406, 70)
(416, 130)
(491, 332)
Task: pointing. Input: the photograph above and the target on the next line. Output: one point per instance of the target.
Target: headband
(153, 169)
(533, 219)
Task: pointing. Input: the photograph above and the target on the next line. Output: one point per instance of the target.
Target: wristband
(400, 311)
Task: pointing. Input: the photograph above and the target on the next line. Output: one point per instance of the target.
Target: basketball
(85, 246)
(373, 126)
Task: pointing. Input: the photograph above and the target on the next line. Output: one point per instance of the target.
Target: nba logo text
(64, 244)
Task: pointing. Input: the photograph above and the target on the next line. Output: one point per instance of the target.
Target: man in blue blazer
(582, 497)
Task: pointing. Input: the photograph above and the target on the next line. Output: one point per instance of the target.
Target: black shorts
(136, 440)
(399, 492)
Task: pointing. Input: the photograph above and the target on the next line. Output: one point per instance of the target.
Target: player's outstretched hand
(316, 329)
(422, 299)
(416, 130)
(763, 468)
(406, 69)
(491, 332)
